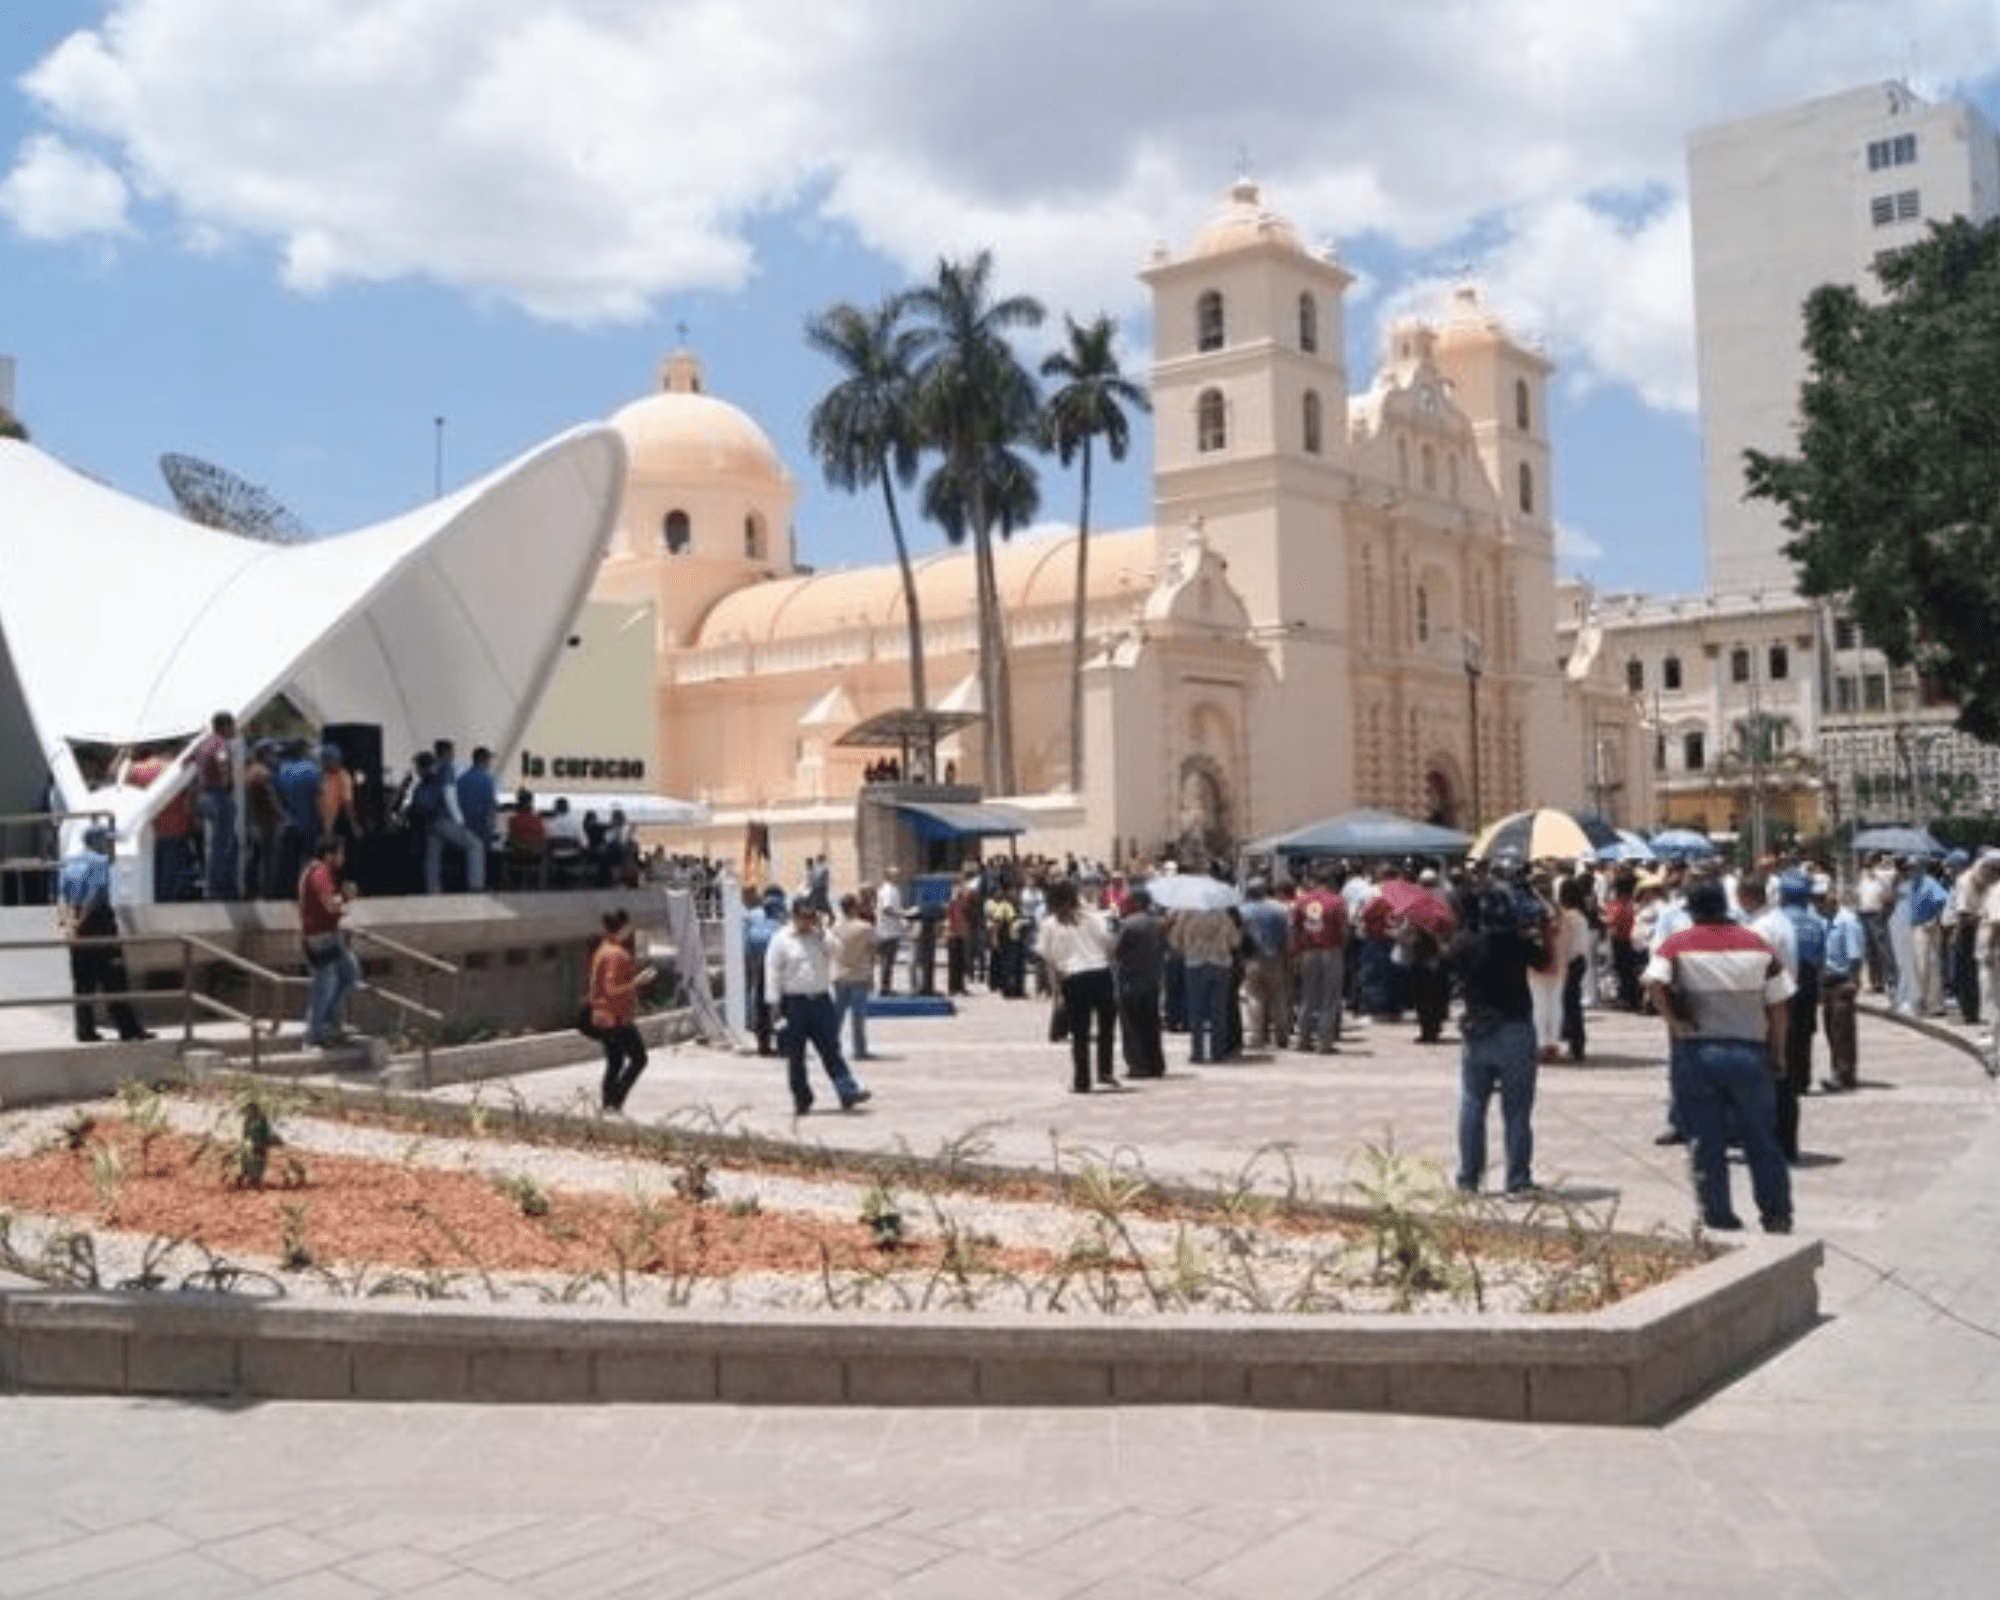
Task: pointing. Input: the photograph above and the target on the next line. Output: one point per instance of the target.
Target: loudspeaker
(361, 748)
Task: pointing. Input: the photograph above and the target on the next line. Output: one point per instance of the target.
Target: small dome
(1244, 222)
(681, 432)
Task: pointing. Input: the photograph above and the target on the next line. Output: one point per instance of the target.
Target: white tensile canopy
(125, 624)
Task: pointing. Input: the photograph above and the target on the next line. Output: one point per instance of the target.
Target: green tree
(11, 426)
(864, 429)
(1089, 404)
(974, 398)
(1893, 495)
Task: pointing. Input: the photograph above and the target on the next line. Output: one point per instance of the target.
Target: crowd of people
(245, 818)
(1745, 971)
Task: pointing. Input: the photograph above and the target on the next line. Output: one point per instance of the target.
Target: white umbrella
(1192, 891)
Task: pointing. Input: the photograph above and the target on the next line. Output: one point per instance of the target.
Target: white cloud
(584, 159)
(57, 192)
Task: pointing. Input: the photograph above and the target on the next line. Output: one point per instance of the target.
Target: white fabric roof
(126, 624)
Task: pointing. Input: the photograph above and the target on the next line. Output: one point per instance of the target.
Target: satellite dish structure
(216, 498)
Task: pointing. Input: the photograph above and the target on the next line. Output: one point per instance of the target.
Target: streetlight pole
(1475, 661)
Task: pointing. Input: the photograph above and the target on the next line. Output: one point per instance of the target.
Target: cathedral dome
(681, 433)
(1244, 222)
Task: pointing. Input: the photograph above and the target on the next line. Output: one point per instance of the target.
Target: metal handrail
(192, 998)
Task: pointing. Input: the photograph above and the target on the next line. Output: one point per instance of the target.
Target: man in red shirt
(1724, 994)
(323, 898)
(1319, 940)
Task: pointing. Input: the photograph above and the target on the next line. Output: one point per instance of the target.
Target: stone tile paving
(1858, 1462)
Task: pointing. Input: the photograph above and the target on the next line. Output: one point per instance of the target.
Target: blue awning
(963, 819)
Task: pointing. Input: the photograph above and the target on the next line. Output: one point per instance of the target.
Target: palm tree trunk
(913, 620)
(1077, 624)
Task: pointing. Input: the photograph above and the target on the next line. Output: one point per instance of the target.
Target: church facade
(1345, 598)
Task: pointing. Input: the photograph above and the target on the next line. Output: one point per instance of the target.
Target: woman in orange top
(615, 981)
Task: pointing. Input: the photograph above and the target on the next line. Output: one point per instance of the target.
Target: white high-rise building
(1781, 203)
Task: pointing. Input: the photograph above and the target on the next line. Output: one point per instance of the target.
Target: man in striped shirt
(1724, 991)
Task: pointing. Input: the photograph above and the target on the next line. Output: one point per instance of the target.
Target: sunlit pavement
(1859, 1461)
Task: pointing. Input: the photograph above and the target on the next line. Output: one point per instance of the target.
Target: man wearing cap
(1723, 993)
(83, 890)
(798, 978)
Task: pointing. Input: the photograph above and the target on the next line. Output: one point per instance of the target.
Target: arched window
(1308, 323)
(1527, 480)
(1521, 411)
(678, 533)
(1423, 615)
(1428, 465)
(755, 545)
(1211, 425)
(1208, 320)
(1312, 422)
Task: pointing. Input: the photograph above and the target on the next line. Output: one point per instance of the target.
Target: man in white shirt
(890, 924)
(798, 981)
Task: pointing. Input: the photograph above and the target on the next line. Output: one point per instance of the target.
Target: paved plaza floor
(1859, 1461)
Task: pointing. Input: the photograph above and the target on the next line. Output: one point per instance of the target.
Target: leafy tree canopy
(1894, 494)
(11, 426)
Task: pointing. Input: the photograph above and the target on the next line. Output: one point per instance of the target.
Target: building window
(1780, 663)
(1670, 673)
(1403, 462)
(1312, 422)
(1846, 699)
(1451, 474)
(1427, 464)
(1211, 428)
(1526, 476)
(678, 532)
(1900, 151)
(1694, 751)
(1845, 635)
(1635, 676)
(1208, 320)
(1308, 323)
(1875, 692)
(754, 542)
(1902, 206)
(1739, 665)
(1423, 613)
(1521, 411)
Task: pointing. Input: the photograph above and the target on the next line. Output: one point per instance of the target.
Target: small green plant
(295, 1253)
(107, 1177)
(528, 1195)
(694, 1183)
(245, 1163)
(883, 1216)
(145, 1115)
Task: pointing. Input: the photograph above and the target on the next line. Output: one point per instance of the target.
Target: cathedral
(1345, 599)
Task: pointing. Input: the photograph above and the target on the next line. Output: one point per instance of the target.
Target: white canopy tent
(125, 624)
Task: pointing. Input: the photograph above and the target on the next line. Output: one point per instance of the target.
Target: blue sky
(288, 235)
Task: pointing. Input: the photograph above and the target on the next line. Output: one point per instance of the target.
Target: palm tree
(1090, 404)
(864, 430)
(1005, 484)
(975, 397)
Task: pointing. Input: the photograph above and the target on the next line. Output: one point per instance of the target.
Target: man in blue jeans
(1725, 994)
(798, 980)
(1491, 956)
